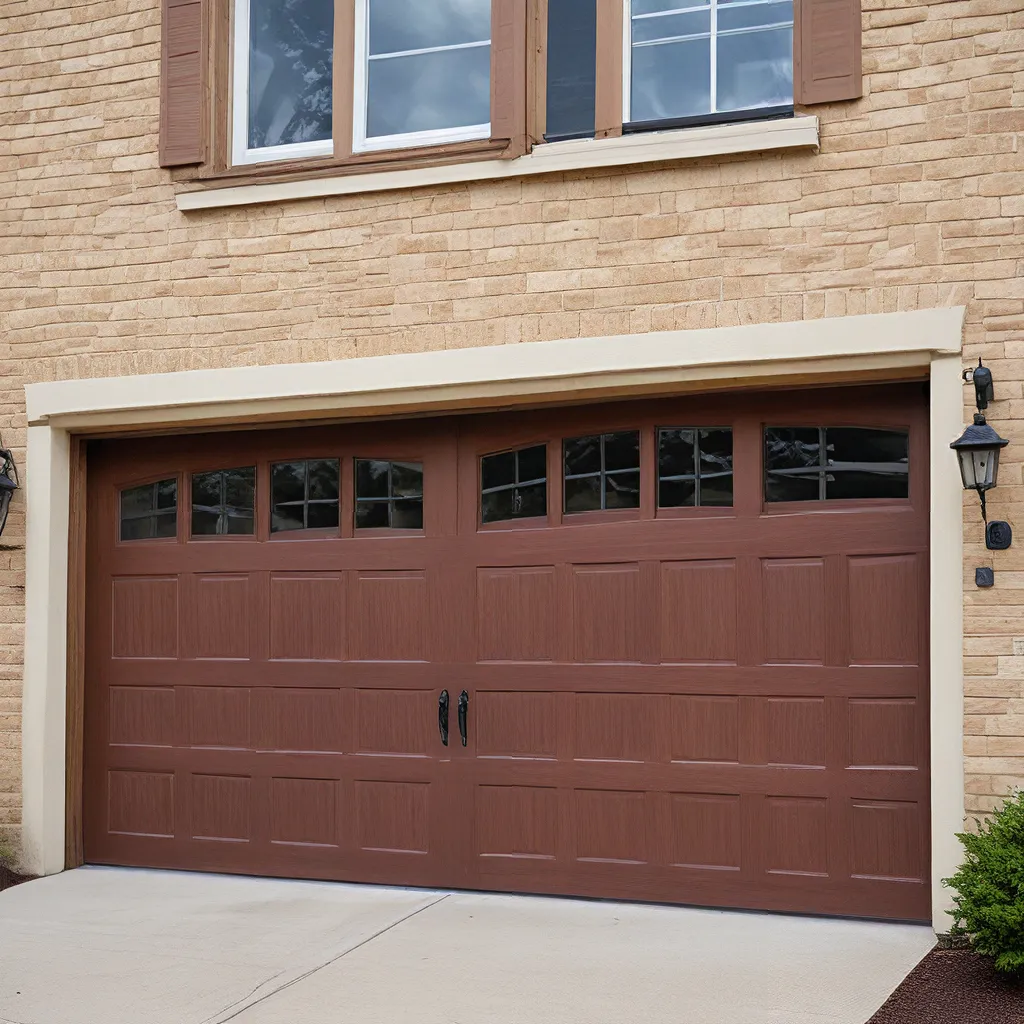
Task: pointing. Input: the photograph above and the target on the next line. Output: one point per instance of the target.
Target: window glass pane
(399, 25)
(866, 463)
(572, 67)
(288, 482)
(497, 505)
(583, 495)
(622, 450)
(406, 480)
(533, 463)
(671, 80)
(583, 455)
(167, 494)
(716, 479)
(622, 490)
(240, 487)
(657, 6)
(206, 489)
(677, 493)
(137, 501)
(137, 529)
(204, 524)
(287, 517)
(429, 91)
(672, 26)
(498, 470)
(532, 500)
(789, 448)
(166, 525)
(322, 515)
(407, 514)
(371, 514)
(290, 64)
(675, 453)
(755, 69)
(371, 478)
(323, 479)
(742, 15)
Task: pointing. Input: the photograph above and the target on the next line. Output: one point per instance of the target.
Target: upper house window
(692, 61)
(284, 57)
(422, 72)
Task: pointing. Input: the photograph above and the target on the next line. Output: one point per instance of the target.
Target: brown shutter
(826, 51)
(508, 74)
(182, 82)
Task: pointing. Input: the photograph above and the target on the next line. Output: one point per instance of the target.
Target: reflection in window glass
(602, 471)
(514, 485)
(150, 511)
(291, 49)
(694, 467)
(223, 502)
(304, 495)
(389, 495)
(571, 69)
(693, 58)
(822, 463)
(428, 67)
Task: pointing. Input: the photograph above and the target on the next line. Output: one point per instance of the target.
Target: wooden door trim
(74, 845)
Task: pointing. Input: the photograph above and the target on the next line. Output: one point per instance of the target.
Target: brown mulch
(9, 878)
(954, 986)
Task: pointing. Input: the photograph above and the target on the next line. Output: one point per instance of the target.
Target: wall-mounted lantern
(978, 449)
(8, 485)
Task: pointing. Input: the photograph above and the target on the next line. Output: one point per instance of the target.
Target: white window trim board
(929, 341)
(241, 154)
(798, 132)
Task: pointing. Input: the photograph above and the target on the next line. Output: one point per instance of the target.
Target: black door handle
(463, 713)
(442, 716)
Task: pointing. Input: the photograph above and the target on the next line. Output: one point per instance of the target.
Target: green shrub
(989, 888)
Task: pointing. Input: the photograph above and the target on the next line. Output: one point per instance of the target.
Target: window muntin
(223, 502)
(687, 59)
(695, 467)
(422, 72)
(601, 471)
(514, 485)
(389, 495)
(150, 511)
(283, 94)
(304, 495)
(832, 463)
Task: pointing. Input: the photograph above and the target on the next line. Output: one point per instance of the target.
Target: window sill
(798, 132)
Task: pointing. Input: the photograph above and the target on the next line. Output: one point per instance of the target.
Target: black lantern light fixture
(978, 447)
(8, 485)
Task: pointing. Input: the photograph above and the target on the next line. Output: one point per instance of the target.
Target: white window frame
(240, 151)
(436, 137)
(687, 5)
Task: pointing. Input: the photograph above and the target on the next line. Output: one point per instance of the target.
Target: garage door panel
(699, 612)
(140, 803)
(142, 716)
(884, 732)
(393, 817)
(295, 718)
(304, 811)
(389, 616)
(516, 614)
(144, 617)
(515, 724)
(221, 612)
(793, 608)
(517, 822)
(221, 807)
(217, 716)
(706, 831)
(883, 609)
(307, 617)
(394, 721)
(888, 839)
(609, 605)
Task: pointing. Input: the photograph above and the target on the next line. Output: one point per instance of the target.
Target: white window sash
(627, 45)
(407, 140)
(240, 151)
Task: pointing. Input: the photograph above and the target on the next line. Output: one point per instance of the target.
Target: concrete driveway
(113, 946)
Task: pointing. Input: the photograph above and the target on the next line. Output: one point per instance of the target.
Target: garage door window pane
(514, 485)
(602, 471)
(150, 511)
(223, 502)
(389, 495)
(694, 467)
(823, 463)
(304, 495)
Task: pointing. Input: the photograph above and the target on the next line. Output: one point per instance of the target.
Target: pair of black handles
(442, 715)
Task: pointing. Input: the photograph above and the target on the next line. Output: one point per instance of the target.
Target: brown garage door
(687, 641)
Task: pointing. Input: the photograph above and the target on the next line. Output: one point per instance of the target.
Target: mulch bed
(954, 986)
(9, 878)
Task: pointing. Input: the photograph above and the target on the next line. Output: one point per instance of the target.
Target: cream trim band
(800, 132)
(887, 345)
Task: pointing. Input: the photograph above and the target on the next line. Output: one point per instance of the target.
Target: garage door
(667, 650)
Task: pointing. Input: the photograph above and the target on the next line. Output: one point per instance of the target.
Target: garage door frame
(893, 346)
